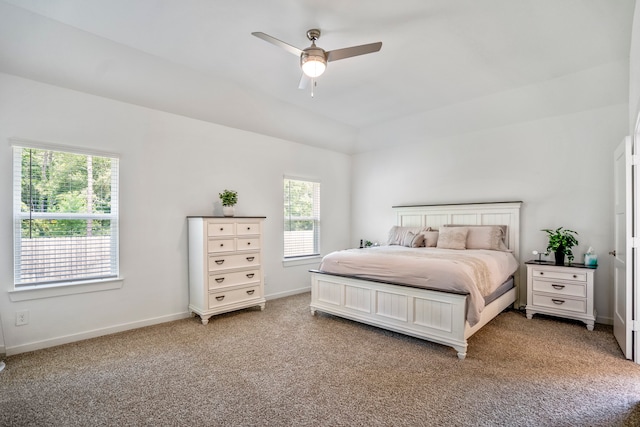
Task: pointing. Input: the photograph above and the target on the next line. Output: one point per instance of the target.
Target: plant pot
(228, 210)
(559, 257)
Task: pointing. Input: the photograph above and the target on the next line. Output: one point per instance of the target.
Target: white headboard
(500, 213)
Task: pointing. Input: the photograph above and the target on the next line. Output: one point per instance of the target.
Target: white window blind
(65, 215)
(301, 218)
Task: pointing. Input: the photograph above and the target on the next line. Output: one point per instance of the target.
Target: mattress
(476, 272)
(501, 290)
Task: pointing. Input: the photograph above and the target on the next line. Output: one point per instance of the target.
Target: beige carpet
(284, 367)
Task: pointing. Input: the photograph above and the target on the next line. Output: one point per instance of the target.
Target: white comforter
(476, 272)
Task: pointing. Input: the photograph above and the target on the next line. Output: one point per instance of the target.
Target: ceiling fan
(313, 60)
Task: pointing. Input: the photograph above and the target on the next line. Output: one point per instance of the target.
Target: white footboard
(431, 315)
(422, 313)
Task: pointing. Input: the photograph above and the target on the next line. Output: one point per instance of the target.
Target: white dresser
(559, 290)
(225, 264)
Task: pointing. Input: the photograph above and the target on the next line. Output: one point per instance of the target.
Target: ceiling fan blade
(304, 81)
(348, 52)
(278, 43)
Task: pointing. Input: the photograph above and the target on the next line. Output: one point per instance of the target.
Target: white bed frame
(431, 315)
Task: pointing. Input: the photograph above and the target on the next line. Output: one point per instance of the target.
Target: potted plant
(560, 243)
(229, 198)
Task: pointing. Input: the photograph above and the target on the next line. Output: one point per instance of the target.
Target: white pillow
(430, 238)
(413, 240)
(484, 236)
(452, 238)
(397, 234)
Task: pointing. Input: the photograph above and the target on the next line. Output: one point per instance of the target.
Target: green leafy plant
(229, 197)
(561, 241)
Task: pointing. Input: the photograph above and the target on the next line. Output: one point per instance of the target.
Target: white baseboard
(288, 293)
(38, 345)
(604, 320)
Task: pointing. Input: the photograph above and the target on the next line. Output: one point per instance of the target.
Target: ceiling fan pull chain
(313, 85)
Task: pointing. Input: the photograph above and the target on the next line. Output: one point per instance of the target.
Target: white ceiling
(446, 66)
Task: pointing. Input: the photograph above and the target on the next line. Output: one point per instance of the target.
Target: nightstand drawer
(559, 275)
(560, 288)
(560, 303)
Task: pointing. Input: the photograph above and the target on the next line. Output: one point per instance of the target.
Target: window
(65, 208)
(301, 218)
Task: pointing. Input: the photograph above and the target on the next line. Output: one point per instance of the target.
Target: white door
(623, 256)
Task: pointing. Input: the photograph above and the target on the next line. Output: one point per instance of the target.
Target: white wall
(560, 167)
(170, 167)
(634, 72)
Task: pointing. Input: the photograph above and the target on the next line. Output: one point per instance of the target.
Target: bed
(432, 310)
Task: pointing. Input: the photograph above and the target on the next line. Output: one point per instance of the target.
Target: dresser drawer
(559, 275)
(221, 229)
(219, 299)
(245, 228)
(560, 303)
(217, 280)
(560, 288)
(247, 244)
(224, 262)
(221, 245)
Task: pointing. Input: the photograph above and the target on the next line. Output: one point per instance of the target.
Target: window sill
(315, 259)
(25, 293)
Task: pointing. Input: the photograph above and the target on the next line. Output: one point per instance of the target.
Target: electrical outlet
(22, 317)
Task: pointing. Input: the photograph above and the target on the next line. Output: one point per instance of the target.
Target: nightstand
(561, 290)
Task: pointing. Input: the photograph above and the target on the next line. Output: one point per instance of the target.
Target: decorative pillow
(412, 240)
(452, 238)
(484, 236)
(430, 238)
(397, 234)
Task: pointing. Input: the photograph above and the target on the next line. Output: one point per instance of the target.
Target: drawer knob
(557, 286)
(575, 276)
(250, 275)
(558, 301)
(219, 261)
(250, 258)
(221, 228)
(542, 273)
(248, 243)
(220, 298)
(248, 228)
(251, 291)
(221, 244)
(220, 279)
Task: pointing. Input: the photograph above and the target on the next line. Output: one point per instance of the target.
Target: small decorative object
(540, 255)
(590, 258)
(367, 244)
(228, 198)
(560, 243)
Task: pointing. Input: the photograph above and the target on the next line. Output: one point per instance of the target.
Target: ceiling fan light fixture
(313, 63)
(313, 60)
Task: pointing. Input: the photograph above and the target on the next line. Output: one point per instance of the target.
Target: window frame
(25, 290)
(306, 258)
